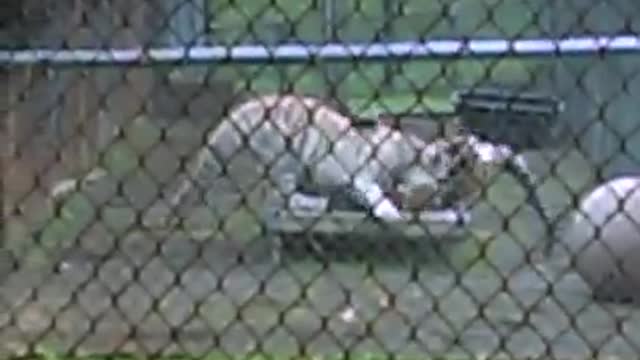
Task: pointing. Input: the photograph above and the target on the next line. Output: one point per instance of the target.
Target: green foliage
(264, 21)
(120, 159)
(76, 214)
(142, 135)
(356, 20)
(118, 219)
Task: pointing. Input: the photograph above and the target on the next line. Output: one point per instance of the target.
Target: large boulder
(603, 238)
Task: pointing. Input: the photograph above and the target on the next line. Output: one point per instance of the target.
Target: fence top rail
(301, 53)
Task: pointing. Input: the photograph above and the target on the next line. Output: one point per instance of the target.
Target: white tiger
(303, 140)
(474, 165)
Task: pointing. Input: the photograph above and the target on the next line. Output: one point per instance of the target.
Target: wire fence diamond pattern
(319, 179)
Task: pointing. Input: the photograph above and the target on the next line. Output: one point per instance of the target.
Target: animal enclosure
(108, 104)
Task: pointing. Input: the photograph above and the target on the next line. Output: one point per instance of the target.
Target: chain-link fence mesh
(458, 206)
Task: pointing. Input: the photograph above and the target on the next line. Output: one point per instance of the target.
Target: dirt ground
(194, 299)
(122, 288)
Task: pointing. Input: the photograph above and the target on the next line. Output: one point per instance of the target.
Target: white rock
(604, 232)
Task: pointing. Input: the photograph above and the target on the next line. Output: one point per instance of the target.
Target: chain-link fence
(319, 178)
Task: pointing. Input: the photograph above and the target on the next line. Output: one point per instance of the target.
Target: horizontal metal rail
(302, 53)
